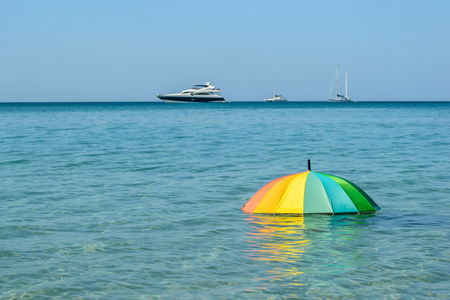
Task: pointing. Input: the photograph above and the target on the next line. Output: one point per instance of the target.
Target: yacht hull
(190, 99)
(276, 100)
(340, 100)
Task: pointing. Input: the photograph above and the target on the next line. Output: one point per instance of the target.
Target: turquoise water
(142, 201)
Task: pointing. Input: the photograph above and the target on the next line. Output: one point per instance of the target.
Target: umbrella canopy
(310, 193)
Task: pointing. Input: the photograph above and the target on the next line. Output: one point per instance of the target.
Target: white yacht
(276, 98)
(198, 93)
(339, 98)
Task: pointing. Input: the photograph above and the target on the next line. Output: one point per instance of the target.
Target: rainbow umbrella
(310, 193)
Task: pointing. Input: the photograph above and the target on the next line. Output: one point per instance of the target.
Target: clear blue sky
(64, 50)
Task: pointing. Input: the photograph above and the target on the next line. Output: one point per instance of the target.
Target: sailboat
(276, 98)
(339, 98)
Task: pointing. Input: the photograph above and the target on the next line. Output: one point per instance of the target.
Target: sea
(136, 200)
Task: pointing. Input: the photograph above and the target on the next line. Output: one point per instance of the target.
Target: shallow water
(142, 200)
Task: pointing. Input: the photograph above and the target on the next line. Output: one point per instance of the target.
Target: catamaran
(276, 98)
(339, 98)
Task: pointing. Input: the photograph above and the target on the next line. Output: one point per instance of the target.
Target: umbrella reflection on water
(295, 250)
(281, 239)
(277, 238)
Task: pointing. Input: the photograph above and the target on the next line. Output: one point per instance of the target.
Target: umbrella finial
(309, 164)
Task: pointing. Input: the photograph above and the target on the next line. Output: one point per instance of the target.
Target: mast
(337, 80)
(345, 85)
(275, 84)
